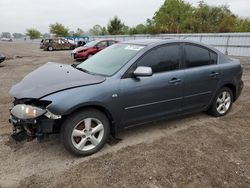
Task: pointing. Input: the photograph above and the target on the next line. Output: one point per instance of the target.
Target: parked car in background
(6, 39)
(125, 85)
(42, 43)
(57, 44)
(81, 43)
(90, 49)
(2, 58)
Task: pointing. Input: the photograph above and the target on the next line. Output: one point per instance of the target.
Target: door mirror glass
(143, 71)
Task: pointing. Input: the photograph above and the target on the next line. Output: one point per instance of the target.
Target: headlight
(23, 111)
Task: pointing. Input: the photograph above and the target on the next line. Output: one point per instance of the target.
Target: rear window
(111, 42)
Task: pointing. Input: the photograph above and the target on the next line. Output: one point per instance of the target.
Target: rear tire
(85, 132)
(222, 103)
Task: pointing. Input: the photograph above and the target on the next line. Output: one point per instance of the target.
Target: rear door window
(213, 58)
(196, 56)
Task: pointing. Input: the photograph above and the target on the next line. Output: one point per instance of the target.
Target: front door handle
(213, 74)
(175, 81)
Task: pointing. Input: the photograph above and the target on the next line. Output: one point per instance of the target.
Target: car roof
(143, 41)
(102, 40)
(159, 41)
(148, 42)
(54, 38)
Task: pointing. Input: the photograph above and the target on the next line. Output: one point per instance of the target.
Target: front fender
(67, 101)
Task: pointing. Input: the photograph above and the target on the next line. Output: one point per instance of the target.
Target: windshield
(110, 60)
(91, 44)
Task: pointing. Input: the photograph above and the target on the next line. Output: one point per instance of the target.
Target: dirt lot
(193, 151)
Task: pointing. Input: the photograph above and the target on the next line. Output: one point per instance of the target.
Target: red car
(91, 48)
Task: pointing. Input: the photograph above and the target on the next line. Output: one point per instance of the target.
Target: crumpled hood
(50, 78)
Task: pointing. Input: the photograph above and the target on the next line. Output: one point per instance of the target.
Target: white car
(6, 39)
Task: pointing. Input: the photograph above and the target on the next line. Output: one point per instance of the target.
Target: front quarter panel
(65, 102)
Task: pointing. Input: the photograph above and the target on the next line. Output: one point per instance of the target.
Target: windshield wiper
(75, 64)
(83, 70)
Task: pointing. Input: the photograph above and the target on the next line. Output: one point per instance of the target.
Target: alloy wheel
(223, 102)
(87, 134)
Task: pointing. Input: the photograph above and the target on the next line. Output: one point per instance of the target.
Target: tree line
(174, 16)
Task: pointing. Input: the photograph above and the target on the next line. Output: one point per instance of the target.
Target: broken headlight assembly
(25, 112)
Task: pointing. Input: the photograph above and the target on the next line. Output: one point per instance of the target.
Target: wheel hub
(88, 133)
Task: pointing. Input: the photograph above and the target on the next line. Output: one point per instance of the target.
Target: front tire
(50, 48)
(85, 132)
(222, 103)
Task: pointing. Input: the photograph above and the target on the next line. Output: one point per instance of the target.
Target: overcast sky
(18, 15)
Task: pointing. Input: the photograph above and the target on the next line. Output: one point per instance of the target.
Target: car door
(64, 44)
(58, 44)
(149, 98)
(202, 74)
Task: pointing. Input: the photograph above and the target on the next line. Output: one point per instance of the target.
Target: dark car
(90, 49)
(81, 43)
(2, 58)
(126, 84)
(42, 43)
(57, 44)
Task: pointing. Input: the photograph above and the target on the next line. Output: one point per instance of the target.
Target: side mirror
(143, 71)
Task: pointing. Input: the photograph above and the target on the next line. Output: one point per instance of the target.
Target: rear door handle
(175, 81)
(214, 74)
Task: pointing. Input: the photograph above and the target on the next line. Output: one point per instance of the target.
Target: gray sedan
(126, 84)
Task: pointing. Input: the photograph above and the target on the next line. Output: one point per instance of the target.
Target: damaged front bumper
(37, 127)
(30, 129)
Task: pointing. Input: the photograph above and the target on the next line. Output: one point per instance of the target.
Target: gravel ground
(192, 151)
